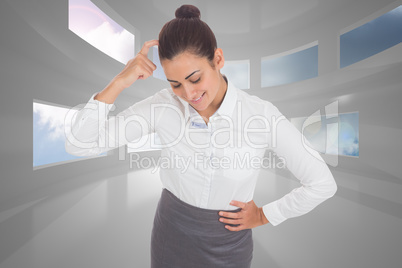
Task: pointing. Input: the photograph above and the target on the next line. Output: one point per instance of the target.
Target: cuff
(95, 109)
(108, 106)
(273, 214)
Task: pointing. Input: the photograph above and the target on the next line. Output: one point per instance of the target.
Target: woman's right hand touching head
(140, 67)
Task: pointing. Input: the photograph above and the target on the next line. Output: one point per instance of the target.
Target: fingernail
(221, 213)
(220, 219)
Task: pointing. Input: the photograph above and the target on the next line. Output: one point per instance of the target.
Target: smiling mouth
(199, 99)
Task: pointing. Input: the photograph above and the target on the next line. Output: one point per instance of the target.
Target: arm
(92, 133)
(306, 164)
(140, 67)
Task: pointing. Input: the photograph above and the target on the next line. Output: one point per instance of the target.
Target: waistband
(189, 217)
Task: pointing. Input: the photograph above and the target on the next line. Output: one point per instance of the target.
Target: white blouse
(209, 165)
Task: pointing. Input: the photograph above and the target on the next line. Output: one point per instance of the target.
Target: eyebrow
(184, 78)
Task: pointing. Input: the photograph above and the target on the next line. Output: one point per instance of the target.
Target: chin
(198, 108)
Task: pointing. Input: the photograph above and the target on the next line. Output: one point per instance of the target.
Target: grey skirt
(185, 236)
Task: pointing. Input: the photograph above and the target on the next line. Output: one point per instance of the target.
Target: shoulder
(163, 102)
(253, 102)
(164, 96)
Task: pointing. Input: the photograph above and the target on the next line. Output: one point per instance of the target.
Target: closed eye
(177, 86)
(196, 81)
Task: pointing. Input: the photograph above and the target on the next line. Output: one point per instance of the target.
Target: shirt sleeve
(92, 132)
(306, 164)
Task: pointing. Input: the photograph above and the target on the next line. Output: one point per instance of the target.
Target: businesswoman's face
(194, 79)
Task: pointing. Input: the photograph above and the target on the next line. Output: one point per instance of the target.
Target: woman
(206, 212)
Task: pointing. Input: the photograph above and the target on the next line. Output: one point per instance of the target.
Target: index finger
(147, 45)
(238, 204)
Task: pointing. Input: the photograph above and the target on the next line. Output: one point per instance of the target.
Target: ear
(219, 59)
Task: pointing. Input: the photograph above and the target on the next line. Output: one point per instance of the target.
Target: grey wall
(99, 212)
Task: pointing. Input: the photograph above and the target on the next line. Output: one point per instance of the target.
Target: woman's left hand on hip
(250, 216)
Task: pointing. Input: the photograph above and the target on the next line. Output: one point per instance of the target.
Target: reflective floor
(108, 223)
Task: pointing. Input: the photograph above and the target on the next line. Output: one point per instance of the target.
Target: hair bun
(188, 12)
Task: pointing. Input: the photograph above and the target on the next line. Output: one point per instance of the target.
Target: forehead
(184, 64)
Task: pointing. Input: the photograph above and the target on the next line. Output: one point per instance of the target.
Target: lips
(199, 99)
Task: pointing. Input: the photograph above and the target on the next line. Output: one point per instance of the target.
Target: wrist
(110, 92)
(263, 219)
(117, 84)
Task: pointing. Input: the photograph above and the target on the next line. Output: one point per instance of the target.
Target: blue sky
(290, 68)
(90, 23)
(48, 135)
(371, 38)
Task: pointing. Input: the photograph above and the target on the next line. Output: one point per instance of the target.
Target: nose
(191, 93)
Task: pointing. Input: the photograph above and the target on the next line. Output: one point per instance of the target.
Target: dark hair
(187, 32)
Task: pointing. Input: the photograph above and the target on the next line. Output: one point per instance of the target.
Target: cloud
(51, 118)
(118, 45)
(351, 149)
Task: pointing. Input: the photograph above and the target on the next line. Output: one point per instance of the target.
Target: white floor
(108, 224)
